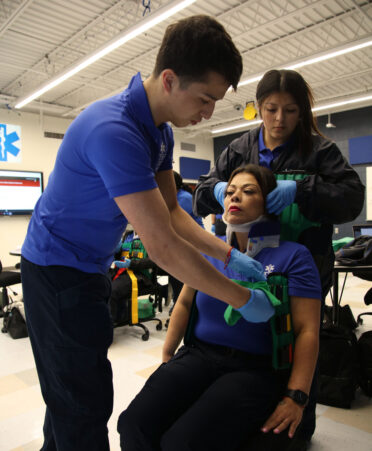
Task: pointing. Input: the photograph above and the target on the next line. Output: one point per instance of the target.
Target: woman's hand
(166, 356)
(283, 195)
(287, 414)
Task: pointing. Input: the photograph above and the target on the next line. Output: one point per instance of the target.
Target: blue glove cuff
(258, 309)
(219, 192)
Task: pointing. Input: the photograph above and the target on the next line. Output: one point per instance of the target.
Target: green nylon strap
(276, 288)
(232, 316)
(293, 223)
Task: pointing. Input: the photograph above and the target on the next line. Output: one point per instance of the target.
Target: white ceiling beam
(14, 16)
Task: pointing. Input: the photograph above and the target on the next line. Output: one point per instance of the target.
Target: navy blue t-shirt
(290, 259)
(111, 149)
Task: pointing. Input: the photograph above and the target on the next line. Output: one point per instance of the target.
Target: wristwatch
(298, 396)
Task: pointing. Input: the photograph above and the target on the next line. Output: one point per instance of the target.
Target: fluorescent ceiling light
(330, 55)
(328, 106)
(150, 21)
(342, 103)
(317, 59)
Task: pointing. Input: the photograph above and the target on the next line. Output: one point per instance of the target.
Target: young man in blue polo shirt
(114, 166)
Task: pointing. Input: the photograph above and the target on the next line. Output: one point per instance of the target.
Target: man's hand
(245, 265)
(287, 414)
(283, 195)
(258, 309)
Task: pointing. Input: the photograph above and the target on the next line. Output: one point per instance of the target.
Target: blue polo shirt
(111, 149)
(290, 259)
(185, 200)
(265, 155)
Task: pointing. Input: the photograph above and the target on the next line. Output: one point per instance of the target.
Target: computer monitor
(362, 229)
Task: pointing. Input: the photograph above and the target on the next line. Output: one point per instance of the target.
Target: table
(336, 300)
(16, 251)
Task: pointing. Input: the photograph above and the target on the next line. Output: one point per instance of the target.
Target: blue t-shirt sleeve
(123, 160)
(168, 139)
(303, 275)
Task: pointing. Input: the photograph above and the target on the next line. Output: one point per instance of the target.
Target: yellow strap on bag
(134, 296)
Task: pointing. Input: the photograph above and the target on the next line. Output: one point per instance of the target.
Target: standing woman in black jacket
(315, 181)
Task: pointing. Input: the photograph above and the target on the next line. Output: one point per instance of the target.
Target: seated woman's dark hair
(265, 179)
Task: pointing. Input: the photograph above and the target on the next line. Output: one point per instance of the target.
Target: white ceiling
(41, 38)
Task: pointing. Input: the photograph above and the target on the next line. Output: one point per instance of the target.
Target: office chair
(7, 278)
(367, 301)
(138, 280)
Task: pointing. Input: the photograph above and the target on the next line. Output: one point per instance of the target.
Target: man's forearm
(200, 274)
(207, 243)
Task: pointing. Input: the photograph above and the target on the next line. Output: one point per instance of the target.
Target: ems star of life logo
(10, 143)
(269, 269)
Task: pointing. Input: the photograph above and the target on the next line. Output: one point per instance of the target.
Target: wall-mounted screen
(19, 191)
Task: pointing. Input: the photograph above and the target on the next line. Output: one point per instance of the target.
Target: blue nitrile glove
(122, 264)
(258, 309)
(282, 196)
(213, 228)
(245, 265)
(219, 192)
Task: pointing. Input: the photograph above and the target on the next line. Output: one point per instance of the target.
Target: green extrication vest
(291, 220)
(280, 323)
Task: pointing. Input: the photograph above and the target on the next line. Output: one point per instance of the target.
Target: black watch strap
(298, 396)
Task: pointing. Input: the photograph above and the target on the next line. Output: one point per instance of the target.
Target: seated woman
(215, 392)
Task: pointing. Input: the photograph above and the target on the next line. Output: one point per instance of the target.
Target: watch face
(302, 397)
(298, 396)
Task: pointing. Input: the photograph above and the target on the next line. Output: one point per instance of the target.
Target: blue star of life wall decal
(6, 143)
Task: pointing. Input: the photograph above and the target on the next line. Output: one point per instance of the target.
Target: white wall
(39, 153)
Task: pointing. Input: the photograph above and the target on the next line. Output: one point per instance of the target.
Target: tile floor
(133, 360)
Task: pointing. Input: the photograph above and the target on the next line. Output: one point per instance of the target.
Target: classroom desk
(336, 300)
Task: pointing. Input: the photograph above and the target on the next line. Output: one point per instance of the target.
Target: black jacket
(331, 194)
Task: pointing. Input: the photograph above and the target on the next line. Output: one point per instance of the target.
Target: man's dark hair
(195, 46)
(293, 83)
(265, 179)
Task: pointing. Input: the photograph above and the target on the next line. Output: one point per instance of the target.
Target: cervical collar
(261, 233)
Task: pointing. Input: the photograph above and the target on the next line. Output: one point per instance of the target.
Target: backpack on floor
(14, 322)
(365, 361)
(338, 366)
